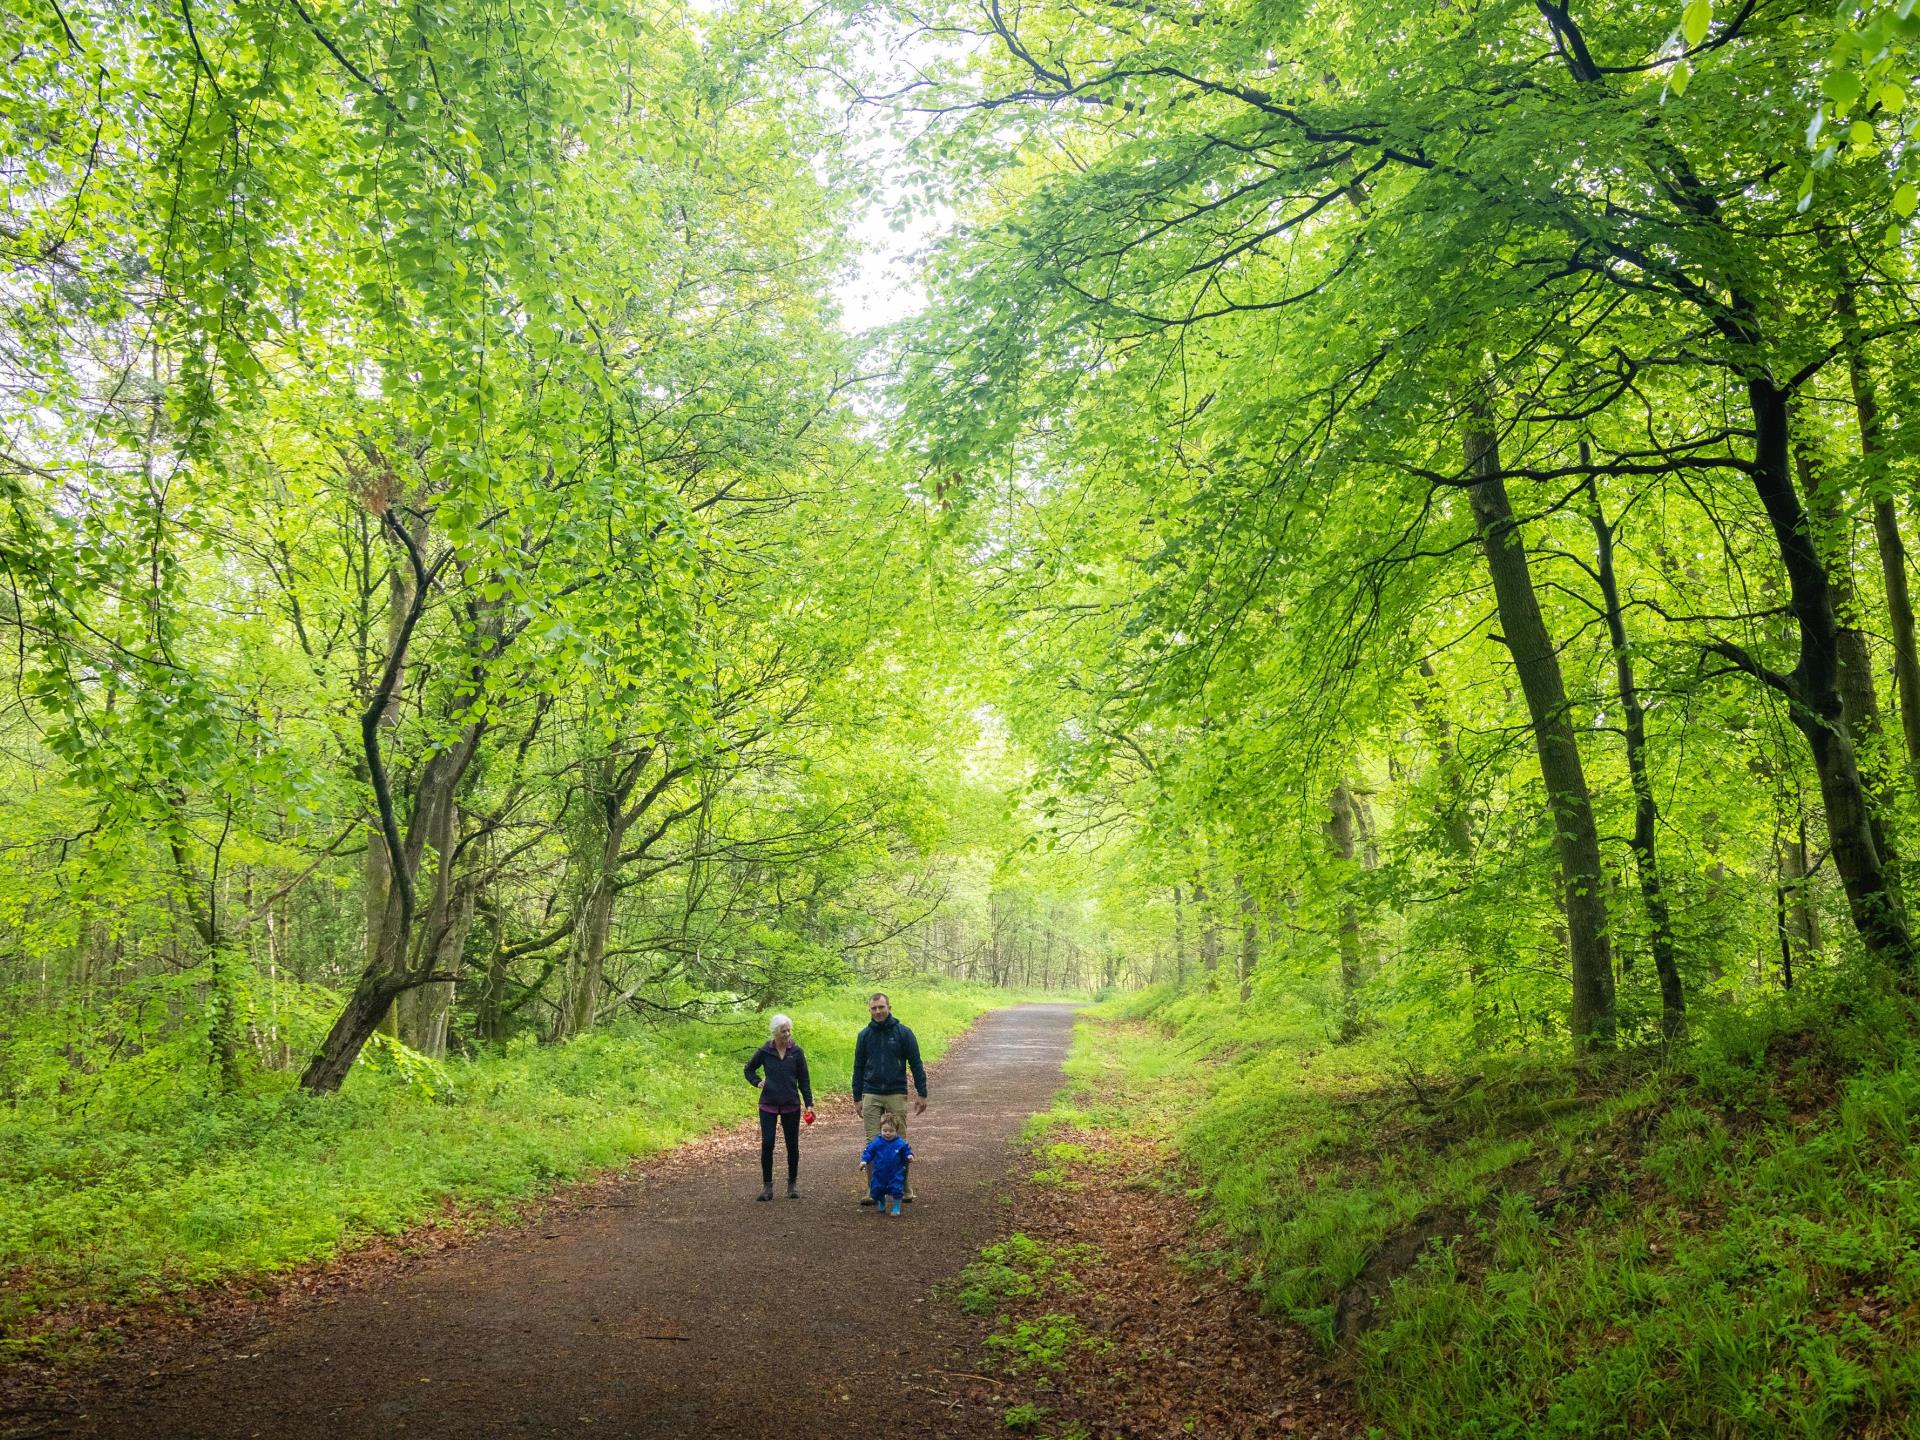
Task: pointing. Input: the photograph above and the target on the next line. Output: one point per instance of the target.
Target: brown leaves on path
(1173, 1346)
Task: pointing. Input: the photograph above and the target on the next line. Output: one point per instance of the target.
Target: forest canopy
(450, 594)
(1402, 509)
(1448, 477)
(1374, 541)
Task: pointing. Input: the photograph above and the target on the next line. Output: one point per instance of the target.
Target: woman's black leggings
(790, 1124)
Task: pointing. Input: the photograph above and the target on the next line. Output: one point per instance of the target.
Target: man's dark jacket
(882, 1054)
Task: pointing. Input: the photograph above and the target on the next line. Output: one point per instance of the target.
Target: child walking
(885, 1161)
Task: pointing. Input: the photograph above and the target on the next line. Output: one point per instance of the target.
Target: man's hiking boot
(793, 1191)
(766, 1191)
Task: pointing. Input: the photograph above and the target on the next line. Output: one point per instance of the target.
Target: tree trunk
(1340, 833)
(490, 1016)
(1906, 664)
(1812, 690)
(587, 960)
(395, 969)
(1853, 661)
(1456, 824)
(224, 1017)
(1179, 938)
(426, 1011)
(1209, 931)
(1249, 938)
(376, 891)
(1576, 840)
(377, 867)
(1455, 821)
(392, 970)
(421, 1012)
(380, 983)
(1799, 931)
(1886, 529)
(1646, 815)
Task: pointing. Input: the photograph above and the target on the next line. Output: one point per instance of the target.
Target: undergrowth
(1019, 1268)
(117, 1205)
(1725, 1242)
(1040, 1342)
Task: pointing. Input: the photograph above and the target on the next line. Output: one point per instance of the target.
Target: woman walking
(783, 1093)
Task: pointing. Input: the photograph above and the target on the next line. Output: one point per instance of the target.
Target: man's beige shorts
(872, 1107)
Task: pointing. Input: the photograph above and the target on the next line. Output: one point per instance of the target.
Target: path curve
(554, 1328)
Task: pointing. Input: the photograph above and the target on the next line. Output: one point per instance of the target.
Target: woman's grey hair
(774, 1025)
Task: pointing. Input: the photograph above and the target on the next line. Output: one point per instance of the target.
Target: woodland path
(788, 1319)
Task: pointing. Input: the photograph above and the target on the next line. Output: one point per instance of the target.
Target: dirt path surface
(675, 1306)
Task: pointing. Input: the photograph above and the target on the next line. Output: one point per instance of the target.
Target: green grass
(1021, 1273)
(1024, 1416)
(1020, 1268)
(1723, 1244)
(1041, 1343)
(93, 1210)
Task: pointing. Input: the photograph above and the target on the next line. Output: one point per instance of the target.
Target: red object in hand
(807, 1119)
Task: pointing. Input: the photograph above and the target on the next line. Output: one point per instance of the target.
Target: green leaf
(1695, 20)
(1905, 198)
(1842, 87)
(1681, 76)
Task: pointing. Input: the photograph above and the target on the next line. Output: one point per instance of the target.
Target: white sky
(885, 284)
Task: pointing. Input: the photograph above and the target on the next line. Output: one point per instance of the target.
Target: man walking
(882, 1055)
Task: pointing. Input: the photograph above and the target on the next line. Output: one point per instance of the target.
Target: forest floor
(663, 1301)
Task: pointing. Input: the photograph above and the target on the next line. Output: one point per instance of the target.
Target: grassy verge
(1725, 1244)
(96, 1212)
